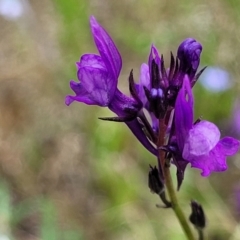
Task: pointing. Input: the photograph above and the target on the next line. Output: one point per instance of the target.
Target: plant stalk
(169, 184)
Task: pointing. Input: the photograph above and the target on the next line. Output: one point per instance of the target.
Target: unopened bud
(197, 217)
(154, 182)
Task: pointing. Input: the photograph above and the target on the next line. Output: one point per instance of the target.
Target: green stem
(175, 206)
(169, 185)
(200, 234)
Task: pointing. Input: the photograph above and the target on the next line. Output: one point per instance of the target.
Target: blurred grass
(67, 175)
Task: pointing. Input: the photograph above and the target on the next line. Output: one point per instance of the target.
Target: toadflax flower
(158, 87)
(199, 143)
(98, 76)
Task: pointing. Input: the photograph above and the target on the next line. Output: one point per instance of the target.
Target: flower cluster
(165, 94)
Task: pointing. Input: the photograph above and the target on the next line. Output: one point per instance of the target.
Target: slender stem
(200, 234)
(175, 206)
(169, 184)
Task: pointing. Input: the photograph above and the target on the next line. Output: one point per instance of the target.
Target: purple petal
(96, 87)
(85, 99)
(183, 113)
(215, 161)
(95, 81)
(98, 79)
(107, 49)
(81, 95)
(144, 81)
(155, 123)
(154, 55)
(144, 76)
(228, 146)
(91, 60)
(202, 138)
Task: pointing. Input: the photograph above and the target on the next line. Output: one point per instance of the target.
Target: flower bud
(197, 217)
(154, 182)
(189, 55)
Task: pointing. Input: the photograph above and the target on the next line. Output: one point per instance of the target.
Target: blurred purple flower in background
(12, 9)
(215, 79)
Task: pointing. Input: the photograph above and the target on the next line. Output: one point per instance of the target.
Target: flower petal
(215, 161)
(81, 95)
(144, 76)
(107, 49)
(155, 123)
(95, 81)
(96, 86)
(202, 138)
(144, 81)
(228, 146)
(154, 55)
(91, 60)
(183, 113)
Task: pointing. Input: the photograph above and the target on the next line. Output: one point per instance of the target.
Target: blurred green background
(64, 174)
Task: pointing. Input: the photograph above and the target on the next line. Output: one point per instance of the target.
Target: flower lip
(202, 138)
(215, 160)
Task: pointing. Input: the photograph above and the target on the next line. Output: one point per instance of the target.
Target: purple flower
(200, 143)
(98, 76)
